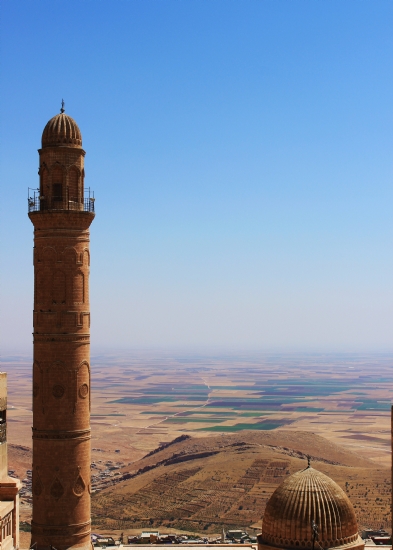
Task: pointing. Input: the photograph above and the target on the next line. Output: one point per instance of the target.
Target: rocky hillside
(204, 484)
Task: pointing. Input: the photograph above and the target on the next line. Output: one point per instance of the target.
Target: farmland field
(160, 396)
(141, 400)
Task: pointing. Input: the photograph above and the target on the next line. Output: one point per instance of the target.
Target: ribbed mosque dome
(61, 130)
(305, 497)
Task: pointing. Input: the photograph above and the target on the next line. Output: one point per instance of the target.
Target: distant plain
(143, 399)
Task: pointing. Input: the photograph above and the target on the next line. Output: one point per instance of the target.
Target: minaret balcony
(37, 203)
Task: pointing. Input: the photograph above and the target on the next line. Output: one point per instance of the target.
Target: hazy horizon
(240, 155)
(9, 354)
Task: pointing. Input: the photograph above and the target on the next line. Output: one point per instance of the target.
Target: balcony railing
(37, 203)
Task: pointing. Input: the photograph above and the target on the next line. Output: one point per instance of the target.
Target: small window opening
(57, 192)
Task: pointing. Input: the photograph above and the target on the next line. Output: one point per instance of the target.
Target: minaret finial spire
(62, 106)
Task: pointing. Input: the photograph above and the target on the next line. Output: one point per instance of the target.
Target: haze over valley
(238, 422)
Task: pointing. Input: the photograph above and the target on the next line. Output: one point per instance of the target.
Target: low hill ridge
(203, 484)
(300, 443)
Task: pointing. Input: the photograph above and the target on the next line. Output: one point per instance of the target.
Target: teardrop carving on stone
(37, 484)
(58, 391)
(83, 391)
(79, 486)
(57, 490)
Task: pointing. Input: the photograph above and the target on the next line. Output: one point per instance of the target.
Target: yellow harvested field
(142, 401)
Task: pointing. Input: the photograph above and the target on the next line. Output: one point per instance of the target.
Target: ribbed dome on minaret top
(304, 498)
(61, 130)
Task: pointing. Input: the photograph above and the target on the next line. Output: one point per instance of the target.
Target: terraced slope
(204, 484)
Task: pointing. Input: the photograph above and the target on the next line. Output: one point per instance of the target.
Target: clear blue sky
(241, 158)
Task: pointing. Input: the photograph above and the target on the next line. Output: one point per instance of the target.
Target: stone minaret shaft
(61, 371)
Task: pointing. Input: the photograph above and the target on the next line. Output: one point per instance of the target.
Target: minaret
(61, 215)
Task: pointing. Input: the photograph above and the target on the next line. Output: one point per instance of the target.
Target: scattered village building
(150, 536)
(236, 535)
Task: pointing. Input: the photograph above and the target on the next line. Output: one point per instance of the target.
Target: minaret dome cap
(61, 131)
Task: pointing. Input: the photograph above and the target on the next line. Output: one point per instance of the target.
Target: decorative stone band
(296, 544)
(63, 232)
(70, 222)
(85, 338)
(81, 236)
(73, 530)
(80, 435)
(3, 432)
(3, 403)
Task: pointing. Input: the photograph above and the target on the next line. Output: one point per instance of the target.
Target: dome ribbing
(61, 130)
(305, 497)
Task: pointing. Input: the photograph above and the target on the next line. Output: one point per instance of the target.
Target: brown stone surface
(9, 487)
(303, 498)
(61, 369)
(62, 130)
